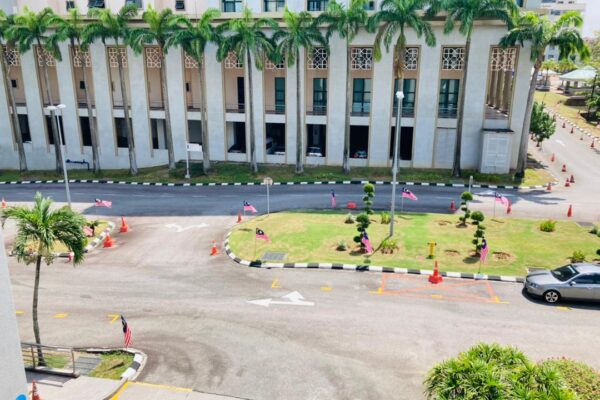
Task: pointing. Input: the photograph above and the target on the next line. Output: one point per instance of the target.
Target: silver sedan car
(573, 281)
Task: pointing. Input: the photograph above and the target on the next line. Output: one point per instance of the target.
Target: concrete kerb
(583, 131)
(95, 243)
(366, 268)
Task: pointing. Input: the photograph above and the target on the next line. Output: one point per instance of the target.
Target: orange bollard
(567, 183)
(436, 277)
(452, 206)
(572, 180)
(553, 158)
(570, 211)
(239, 217)
(124, 226)
(3, 203)
(108, 242)
(214, 251)
(34, 393)
(564, 168)
(549, 187)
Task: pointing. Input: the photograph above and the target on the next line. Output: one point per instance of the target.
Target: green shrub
(577, 256)
(385, 217)
(594, 230)
(389, 245)
(465, 198)
(342, 246)
(598, 252)
(477, 218)
(548, 226)
(579, 377)
(349, 219)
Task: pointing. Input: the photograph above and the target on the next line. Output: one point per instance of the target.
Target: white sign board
(268, 181)
(193, 147)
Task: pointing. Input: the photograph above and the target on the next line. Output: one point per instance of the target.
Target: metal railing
(316, 109)
(49, 358)
(275, 109)
(407, 111)
(447, 112)
(235, 108)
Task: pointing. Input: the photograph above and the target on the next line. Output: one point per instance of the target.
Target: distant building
(554, 9)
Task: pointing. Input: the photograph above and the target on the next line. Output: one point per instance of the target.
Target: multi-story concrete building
(496, 95)
(553, 9)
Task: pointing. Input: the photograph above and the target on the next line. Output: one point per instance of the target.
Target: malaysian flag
(126, 332)
(103, 203)
(249, 207)
(408, 194)
(333, 200)
(483, 252)
(260, 234)
(365, 240)
(501, 198)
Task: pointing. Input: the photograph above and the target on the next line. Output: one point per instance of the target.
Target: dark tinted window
(564, 273)
(585, 280)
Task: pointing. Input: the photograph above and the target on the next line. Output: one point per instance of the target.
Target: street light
(399, 97)
(53, 110)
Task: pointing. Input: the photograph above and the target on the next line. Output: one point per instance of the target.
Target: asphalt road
(366, 336)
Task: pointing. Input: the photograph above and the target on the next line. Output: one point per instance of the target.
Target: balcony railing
(316, 109)
(156, 105)
(194, 106)
(407, 111)
(361, 109)
(275, 109)
(447, 112)
(235, 108)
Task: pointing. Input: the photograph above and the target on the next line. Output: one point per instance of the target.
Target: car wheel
(551, 296)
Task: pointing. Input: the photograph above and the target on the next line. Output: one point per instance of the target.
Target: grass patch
(515, 244)
(56, 361)
(551, 99)
(579, 377)
(240, 172)
(60, 248)
(112, 365)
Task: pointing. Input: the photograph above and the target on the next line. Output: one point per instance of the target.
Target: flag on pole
(408, 194)
(365, 240)
(502, 199)
(249, 207)
(260, 234)
(103, 203)
(126, 332)
(333, 200)
(483, 252)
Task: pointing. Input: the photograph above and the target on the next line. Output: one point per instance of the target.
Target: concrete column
(521, 83)
(258, 109)
(215, 103)
(291, 101)
(336, 101)
(9, 156)
(177, 103)
(507, 91)
(138, 100)
(12, 379)
(70, 115)
(381, 112)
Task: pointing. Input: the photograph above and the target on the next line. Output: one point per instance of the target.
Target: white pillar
(138, 101)
(70, 115)
(215, 103)
(519, 102)
(160, 133)
(259, 112)
(381, 109)
(9, 156)
(336, 101)
(291, 102)
(177, 101)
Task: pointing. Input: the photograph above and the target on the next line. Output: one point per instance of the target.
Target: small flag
(501, 198)
(126, 332)
(260, 234)
(365, 240)
(408, 194)
(333, 200)
(103, 203)
(249, 207)
(483, 252)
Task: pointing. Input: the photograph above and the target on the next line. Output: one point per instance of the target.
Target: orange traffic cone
(564, 168)
(509, 208)
(549, 187)
(436, 277)
(572, 180)
(570, 211)
(553, 158)
(239, 217)
(108, 242)
(34, 392)
(214, 251)
(567, 183)
(3, 203)
(124, 226)
(452, 206)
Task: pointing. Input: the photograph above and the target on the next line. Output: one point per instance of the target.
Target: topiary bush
(465, 198)
(579, 377)
(477, 218)
(578, 256)
(548, 226)
(389, 245)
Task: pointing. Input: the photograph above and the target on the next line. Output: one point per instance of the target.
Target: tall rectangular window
(317, 5)
(448, 103)
(320, 96)
(274, 5)
(179, 5)
(279, 94)
(410, 92)
(96, 4)
(232, 5)
(361, 96)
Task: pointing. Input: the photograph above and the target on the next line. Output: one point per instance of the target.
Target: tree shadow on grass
(471, 260)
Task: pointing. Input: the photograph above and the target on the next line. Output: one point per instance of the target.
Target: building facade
(495, 101)
(553, 9)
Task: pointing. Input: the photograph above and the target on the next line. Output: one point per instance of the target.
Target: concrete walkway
(147, 391)
(52, 387)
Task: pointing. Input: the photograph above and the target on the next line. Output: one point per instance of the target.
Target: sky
(591, 21)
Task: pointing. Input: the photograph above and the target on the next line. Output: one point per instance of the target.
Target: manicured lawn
(551, 99)
(240, 172)
(515, 244)
(112, 365)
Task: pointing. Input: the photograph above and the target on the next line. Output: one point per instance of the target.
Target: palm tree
(301, 31)
(346, 21)
(39, 230)
(547, 66)
(465, 13)
(393, 19)
(31, 29)
(193, 38)
(541, 32)
(71, 28)
(247, 40)
(115, 27)
(160, 28)
(5, 23)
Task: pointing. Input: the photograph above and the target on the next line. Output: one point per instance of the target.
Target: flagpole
(255, 245)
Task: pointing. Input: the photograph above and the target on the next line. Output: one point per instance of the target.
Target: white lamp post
(54, 110)
(399, 97)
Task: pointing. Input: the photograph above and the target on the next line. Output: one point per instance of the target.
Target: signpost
(268, 182)
(189, 147)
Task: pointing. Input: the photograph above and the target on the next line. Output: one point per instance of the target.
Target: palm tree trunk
(346, 160)
(14, 116)
(91, 118)
(165, 92)
(204, 122)
(133, 169)
(299, 124)
(57, 139)
(522, 158)
(253, 163)
(34, 311)
(461, 112)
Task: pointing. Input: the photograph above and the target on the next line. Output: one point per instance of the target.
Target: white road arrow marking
(560, 142)
(295, 299)
(178, 228)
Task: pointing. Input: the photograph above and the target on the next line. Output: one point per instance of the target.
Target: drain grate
(273, 256)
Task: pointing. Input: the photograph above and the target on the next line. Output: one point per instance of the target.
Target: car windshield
(564, 273)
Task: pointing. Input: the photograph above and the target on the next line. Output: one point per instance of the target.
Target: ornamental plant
(363, 220)
(477, 218)
(465, 198)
